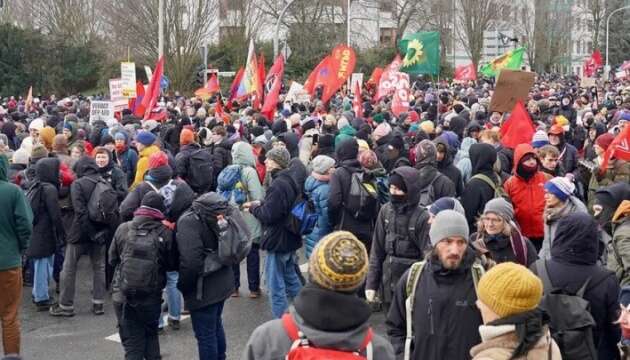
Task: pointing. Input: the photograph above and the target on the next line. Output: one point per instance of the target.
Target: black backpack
(200, 171)
(103, 203)
(363, 202)
(34, 196)
(427, 194)
(571, 323)
(139, 265)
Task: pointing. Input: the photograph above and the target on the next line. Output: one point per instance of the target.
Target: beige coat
(499, 342)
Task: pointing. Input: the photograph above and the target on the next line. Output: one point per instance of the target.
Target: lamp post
(275, 38)
(607, 67)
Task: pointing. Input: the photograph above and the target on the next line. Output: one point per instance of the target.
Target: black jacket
(83, 230)
(116, 177)
(182, 160)
(477, 192)
(193, 235)
(442, 186)
(221, 157)
(445, 318)
(48, 231)
(574, 255)
(506, 159)
(381, 147)
(447, 168)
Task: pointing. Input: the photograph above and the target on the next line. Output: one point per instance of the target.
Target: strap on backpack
(415, 272)
(487, 180)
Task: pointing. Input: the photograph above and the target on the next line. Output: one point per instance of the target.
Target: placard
(116, 95)
(101, 110)
(511, 86)
(128, 78)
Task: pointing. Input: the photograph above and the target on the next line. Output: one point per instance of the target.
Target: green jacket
(619, 252)
(16, 221)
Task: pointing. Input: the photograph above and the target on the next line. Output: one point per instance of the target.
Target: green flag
(512, 60)
(422, 53)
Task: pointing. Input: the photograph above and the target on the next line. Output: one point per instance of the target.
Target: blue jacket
(317, 191)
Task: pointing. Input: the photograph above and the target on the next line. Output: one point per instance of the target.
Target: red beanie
(604, 140)
(158, 159)
(186, 137)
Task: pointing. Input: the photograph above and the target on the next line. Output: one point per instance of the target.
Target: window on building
(387, 5)
(388, 36)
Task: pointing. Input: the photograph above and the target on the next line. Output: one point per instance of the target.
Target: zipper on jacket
(430, 314)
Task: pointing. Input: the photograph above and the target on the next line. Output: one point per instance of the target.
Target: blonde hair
(481, 228)
(492, 135)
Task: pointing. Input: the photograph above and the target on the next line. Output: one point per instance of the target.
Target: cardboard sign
(128, 78)
(511, 86)
(101, 110)
(116, 95)
(356, 78)
(297, 94)
(587, 82)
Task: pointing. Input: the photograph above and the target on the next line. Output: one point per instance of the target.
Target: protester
(483, 183)
(317, 189)
(145, 143)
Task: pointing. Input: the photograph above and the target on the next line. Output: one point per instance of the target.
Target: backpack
(303, 217)
(168, 193)
(571, 323)
(103, 203)
(302, 349)
(498, 190)
(139, 264)
(230, 184)
(415, 272)
(427, 194)
(363, 202)
(200, 171)
(34, 196)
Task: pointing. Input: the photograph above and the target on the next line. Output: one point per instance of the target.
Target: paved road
(84, 335)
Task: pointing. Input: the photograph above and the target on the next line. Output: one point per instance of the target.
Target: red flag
(592, 63)
(260, 91)
(153, 91)
(518, 128)
(275, 77)
(218, 110)
(400, 102)
(332, 72)
(235, 83)
(465, 72)
(619, 148)
(309, 85)
(209, 90)
(386, 84)
(135, 104)
(376, 75)
(357, 106)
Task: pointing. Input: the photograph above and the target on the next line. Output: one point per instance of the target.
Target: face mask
(397, 199)
(120, 147)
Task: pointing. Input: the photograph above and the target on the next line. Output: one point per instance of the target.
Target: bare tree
(473, 18)
(595, 12)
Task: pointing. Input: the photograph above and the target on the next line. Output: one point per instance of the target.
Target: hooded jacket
(463, 159)
(445, 317)
(83, 229)
(328, 319)
(499, 343)
(476, 191)
(317, 191)
(116, 177)
(551, 220)
(128, 160)
(48, 231)
(392, 238)
(429, 175)
(447, 168)
(619, 247)
(574, 255)
(16, 220)
(243, 155)
(528, 196)
(143, 163)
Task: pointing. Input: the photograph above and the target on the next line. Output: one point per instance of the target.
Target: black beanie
(398, 181)
(153, 200)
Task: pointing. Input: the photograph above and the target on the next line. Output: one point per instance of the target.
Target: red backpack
(302, 350)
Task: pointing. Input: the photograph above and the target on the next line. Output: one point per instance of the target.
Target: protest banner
(356, 78)
(588, 82)
(116, 95)
(128, 78)
(511, 86)
(297, 94)
(101, 110)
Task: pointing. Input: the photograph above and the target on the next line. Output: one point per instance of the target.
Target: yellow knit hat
(509, 289)
(339, 262)
(427, 126)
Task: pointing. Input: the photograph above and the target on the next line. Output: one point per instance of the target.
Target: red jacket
(528, 196)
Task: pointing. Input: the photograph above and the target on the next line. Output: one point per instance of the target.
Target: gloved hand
(370, 295)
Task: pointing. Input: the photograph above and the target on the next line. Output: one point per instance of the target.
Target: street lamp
(607, 67)
(275, 38)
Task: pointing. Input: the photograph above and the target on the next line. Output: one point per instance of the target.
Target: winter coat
(198, 229)
(619, 247)
(128, 160)
(447, 168)
(328, 319)
(243, 155)
(182, 161)
(506, 159)
(16, 220)
(221, 157)
(143, 164)
(445, 317)
(527, 196)
(442, 185)
(394, 248)
(463, 156)
(499, 343)
(306, 146)
(568, 158)
(116, 178)
(551, 219)
(574, 255)
(381, 147)
(618, 172)
(317, 191)
(48, 231)
(476, 191)
(167, 260)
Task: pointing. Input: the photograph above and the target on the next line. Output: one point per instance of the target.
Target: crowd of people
(472, 249)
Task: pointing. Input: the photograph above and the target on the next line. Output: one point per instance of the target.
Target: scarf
(529, 329)
(149, 212)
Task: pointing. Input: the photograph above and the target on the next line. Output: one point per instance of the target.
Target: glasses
(491, 220)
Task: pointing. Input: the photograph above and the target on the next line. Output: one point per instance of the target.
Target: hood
(311, 184)
(347, 150)
(243, 154)
(448, 157)
(47, 170)
(411, 177)
(348, 130)
(458, 125)
(520, 151)
(279, 127)
(85, 166)
(465, 148)
(298, 173)
(482, 158)
(209, 205)
(4, 167)
(291, 140)
(73, 130)
(576, 240)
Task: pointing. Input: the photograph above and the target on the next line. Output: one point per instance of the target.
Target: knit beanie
(343, 122)
(280, 156)
(378, 118)
(153, 200)
(321, 164)
(509, 288)
(540, 139)
(120, 136)
(427, 126)
(158, 159)
(561, 187)
(398, 181)
(145, 138)
(47, 135)
(107, 139)
(339, 262)
(446, 203)
(38, 152)
(20, 156)
(448, 223)
(381, 131)
(36, 124)
(426, 150)
(501, 207)
(363, 145)
(604, 140)
(368, 159)
(186, 137)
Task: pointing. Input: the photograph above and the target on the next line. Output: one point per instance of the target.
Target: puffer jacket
(243, 155)
(317, 191)
(619, 247)
(551, 219)
(142, 166)
(528, 196)
(464, 163)
(500, 341)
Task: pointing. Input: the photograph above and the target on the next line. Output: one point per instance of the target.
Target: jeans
(253, 270)
(282, 280)
(138, 330)
(10, 300)
(69, 273)
(208, 328)
(41, 276)
(173, 297)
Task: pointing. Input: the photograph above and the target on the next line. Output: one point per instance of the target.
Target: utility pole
(607, 67)
(277, 33)
(160, 28)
